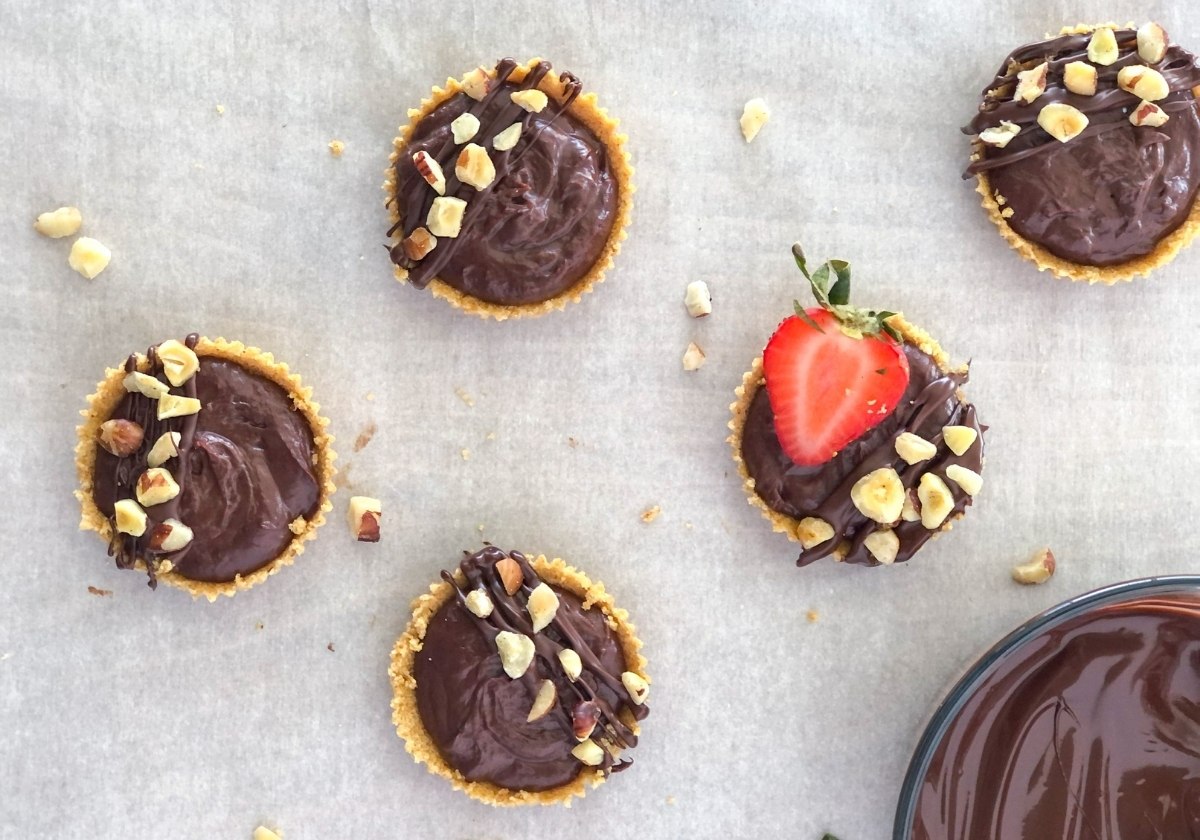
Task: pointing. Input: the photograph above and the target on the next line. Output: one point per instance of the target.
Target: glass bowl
(947, 711)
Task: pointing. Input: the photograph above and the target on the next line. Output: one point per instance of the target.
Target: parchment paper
(145, 715)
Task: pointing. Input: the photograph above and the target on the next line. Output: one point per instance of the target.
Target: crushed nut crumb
(462, 394)
(101, 592)
(651, 513)
(336, 147)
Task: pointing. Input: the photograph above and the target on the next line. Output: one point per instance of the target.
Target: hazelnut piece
(429, 169)
(146, 385)
(754, 116)
(1152, 43)
(479, 603)
(1038, 570)
(584, 718)
(164, 449)
(516, 653)
(1143, 82)
(693, 357)
(130, 517)
(913, 448)
(1148, 114)
(970, 481)
(533, 100)
(879, 495)
(121, 437)
(1062, 122)
(542, 606)
(1000, 135)
(1102, 48)
(637, 687)
(507, 138)
(178, 360)
(543, 701)
(476, 83)
(1080, 77)
(697, 299)
(883, 546)
(464, 127)
(1031, 83)
(571, 663)
(474, 167)
(813, 531)
(88, 257)
(445, 216)
(959, 438)
(171, 405)
(170, 535)
(155, 486)
(936, 501)
(589, 753)
(364, 514)
(65, 221)
(418, 244)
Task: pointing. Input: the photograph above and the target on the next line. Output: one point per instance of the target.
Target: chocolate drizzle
(930, 402)
(540, 224)
(244, 469)
(1089, 730)
(476, 714)
(1114, 191)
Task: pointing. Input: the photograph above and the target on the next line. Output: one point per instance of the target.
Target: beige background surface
(145, 715)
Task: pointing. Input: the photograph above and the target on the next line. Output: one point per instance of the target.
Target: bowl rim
(946, 710)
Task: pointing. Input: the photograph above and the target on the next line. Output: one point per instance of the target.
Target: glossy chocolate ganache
(244, 469)
(477, 715)
(1110, 194)
(930, 402)
(1090, 730)
(544, 221)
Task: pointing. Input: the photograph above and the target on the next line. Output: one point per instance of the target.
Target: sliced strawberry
(826, 388)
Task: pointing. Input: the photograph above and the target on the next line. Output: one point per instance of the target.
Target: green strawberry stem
(835, 299)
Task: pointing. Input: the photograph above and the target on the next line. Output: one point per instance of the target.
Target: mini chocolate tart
(519, 680)
(509, 192)
(1087, 151)
(910, 466)
(204, 464)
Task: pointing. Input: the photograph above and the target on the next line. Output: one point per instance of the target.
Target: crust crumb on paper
(651, 513)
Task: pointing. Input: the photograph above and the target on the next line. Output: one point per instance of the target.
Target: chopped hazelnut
(475, 167)
(164, 449)
(172, 405)
(1031, 83)
(476, 83)
(1143, 82)
(464, 127)
(146, 385)
(445, 216)
(1080, 77)
(883, 546)
(65, 221)
(1152, 43)
(913, 448)
(1102, 48)
(479, 603)
(1038, 570)
(543, 701)
(754, 116)
(589, 753)
(1062, 122)
(693, 357)
(130, 517)
(697, 299)
(516, 653)
(533, 100)
(970, 481)
(507, 138)
(155, 486)
(571, 663)
(1148, 114)
(121, 437)
(170, 535)
(364, 514)
(178, 360)
(429, 169)
(637, 687)
(1000, 135)
(813, 532)
(89, 257)
(959, 438)
(542, 606)
(936, 501)
(418, 244)
(879, 495)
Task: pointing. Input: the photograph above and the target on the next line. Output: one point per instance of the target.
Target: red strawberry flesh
(828, 389)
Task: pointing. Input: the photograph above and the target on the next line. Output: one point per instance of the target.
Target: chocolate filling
(1088, 730)
(1112, 193)
(544, 221)
(929, 402)
(476, 714)
(245, 472)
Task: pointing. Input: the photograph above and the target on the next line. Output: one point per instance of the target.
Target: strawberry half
(832, 373)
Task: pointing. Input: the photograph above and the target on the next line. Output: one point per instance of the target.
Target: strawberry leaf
(804, 316)
(801, 263)
(839, 295)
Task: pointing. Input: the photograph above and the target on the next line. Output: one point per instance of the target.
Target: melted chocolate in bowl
(1087, 728)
